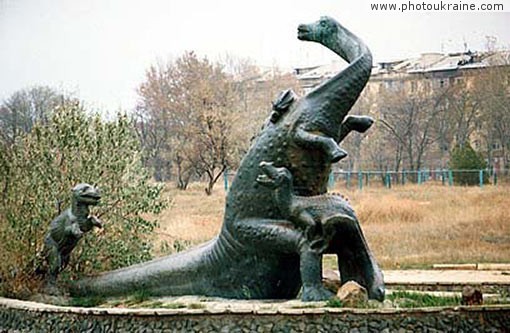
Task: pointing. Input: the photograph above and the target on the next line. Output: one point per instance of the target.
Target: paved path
(414, 276)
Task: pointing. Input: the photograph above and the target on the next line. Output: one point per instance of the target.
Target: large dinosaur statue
(259, 253)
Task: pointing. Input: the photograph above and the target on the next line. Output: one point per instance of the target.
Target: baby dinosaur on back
(310, 214)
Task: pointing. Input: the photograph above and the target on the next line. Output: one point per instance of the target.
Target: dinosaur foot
(316, 293)
(377, 292)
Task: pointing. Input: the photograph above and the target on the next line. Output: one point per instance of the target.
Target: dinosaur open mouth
(269, 170)
(269, 174)
(91, 197)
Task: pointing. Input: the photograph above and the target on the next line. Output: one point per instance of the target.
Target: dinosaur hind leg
(355, 260)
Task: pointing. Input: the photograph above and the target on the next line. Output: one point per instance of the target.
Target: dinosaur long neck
(333, 99)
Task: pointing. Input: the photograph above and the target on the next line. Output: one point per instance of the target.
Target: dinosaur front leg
(95, 221)
(306, 222)
(359, 124)
(327, 145)
(74, 229)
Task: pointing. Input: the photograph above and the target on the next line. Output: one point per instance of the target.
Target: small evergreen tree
(36, 175)
(468, 162)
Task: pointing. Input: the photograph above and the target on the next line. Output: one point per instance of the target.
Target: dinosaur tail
(186, 272)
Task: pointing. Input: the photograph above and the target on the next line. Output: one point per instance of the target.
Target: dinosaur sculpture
(67, 229)
(258, 252)
(310, 214)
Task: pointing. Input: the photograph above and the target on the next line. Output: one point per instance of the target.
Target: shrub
(468, 162)
(38, 171)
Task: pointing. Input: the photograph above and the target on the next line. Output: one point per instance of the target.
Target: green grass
(403, 299)
(87, 302)
(140, 296)
(406, 299)
(334, 302)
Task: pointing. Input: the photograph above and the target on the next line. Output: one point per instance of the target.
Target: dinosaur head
(86, 194)
(282, 104)
(320, 31)
(272, 176)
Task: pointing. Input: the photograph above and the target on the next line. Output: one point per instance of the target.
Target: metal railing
(364, 178)
(447, 177)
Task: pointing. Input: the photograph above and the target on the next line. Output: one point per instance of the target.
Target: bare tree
(153, 120)
(23, 109)
(199, 116)
(463, 111)
(494, 100)
(353, 142)
(411, 119)
(186, 109)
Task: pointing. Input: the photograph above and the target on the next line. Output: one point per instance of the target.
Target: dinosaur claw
(337, 155)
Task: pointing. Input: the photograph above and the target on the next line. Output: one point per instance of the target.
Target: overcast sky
(100, 49)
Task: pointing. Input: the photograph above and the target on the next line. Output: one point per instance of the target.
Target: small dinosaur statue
(67, 229)
(309, 214)
(259, 253)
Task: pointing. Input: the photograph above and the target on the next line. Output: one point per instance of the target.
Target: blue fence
(447, 177)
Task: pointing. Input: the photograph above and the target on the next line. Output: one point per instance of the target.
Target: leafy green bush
(468, 163)
(39, 171)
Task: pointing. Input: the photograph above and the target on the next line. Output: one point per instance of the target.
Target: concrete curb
(479, 267)
(142, 312)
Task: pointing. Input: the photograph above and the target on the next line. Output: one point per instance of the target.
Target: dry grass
(422, 225)
(192, 216)
(409, 226)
